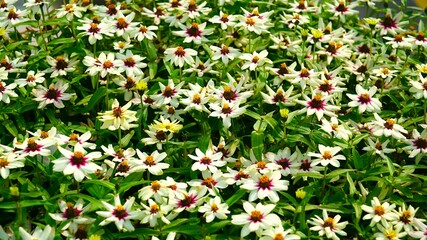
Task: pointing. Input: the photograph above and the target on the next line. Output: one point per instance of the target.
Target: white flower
(60, 65)
(47, 234)
(118, 117)
(318, 105)
(73, 213)
(55, 94)
(224, 20)
(327, 156)
(120, 214)
(10, 161)
(226, 110)
(95, 30)
(6, 91)
(153, 212)
(224, 53)
(209, 161)
(389, 232)
(179, 55)
(194, 33)
(418, 143)
(419, 88)
(364, 99)
(214, 209)
(132, 63)
(31, 80)
(151, 162)
(332, 127)
(79, 162)
(279, 233)
(255, 60)
(379, 212)
(387, 128)
(265, 185)
(256, 219)
(379, 148)
(328, 226)
(145, 32)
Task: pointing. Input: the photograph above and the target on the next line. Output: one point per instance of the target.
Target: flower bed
(213, 120)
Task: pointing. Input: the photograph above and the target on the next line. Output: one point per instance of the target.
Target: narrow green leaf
(10, 126)
(257, 143)
(96, 98)
(236, 197)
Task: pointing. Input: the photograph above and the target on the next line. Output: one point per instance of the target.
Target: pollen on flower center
(224, 18)
(283, 69)
(78, 159)
(398, 38)
(405, 218)
(327, 155)
(196, 99)
(149, 160)
(107, 64)
(229, 94)
(264, 182)
(180, 51)
(279, 236)
(391, 234)
(123, 167)
(379, 146)
(120, 212)
(69, 8)
(332, 49)
(93, 28)
(129, 62)
(226, 109)
(111, 9)
(224, 50)
(250, 21)
(261, 164)
(329, 223)
(279, 97)
(192, 6)
(32, 146)
(379, 210)
(214, 207)
(52, 93)
(168, 92)
(325, 86)
(44, 134)
(74, 137)
(194, 31)
(341, 7)
(301, 5)
(209, 182)
(317, 102)
(205, 160)
(187, 201)
(30, 78)
(241, 175)
(420, 36)
(364, 98)
(61, 63)
(388, 22)
(155, 186)
(304, 73)
(117, 112)
(256, 216)
(70, 211)
(154, 209)
(160, 135)
(143, 29)
(130, 83)
(255, 59)
(3, 162)
(389, 124)
(2, 88)
(121, 23)
(12, 14)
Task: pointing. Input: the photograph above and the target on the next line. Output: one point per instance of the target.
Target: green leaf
(257, 143)
(126, 139)
(215, 226)
(137, 233)
(352, 187)
(109, 185)
(96, 98)
(152, 67)
(10, 126)
(61, 41)
(236, 197)
(151, 50)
